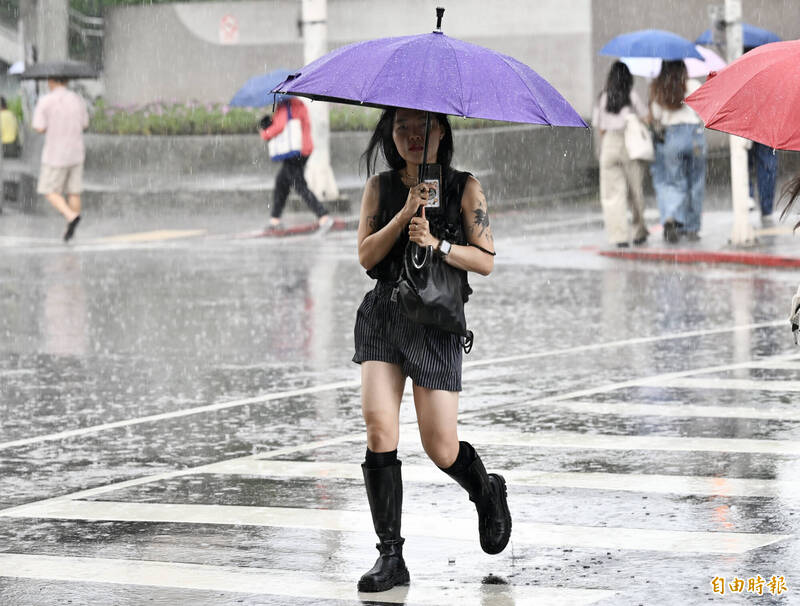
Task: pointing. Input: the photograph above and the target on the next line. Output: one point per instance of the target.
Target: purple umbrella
(433, 73)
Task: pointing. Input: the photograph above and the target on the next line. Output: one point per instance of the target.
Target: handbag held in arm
(289, 142)
(638, 140)
(429, 291)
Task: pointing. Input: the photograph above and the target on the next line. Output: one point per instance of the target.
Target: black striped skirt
(429, 355)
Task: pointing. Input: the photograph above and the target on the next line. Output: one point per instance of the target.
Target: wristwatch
(444, 248)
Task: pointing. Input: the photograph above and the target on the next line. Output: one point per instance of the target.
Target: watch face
(444, 247)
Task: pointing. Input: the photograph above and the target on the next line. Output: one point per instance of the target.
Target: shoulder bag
(430, 291)
(289, 142)
(638, 140)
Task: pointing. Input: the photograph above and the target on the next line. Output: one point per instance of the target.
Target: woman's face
(408, 134)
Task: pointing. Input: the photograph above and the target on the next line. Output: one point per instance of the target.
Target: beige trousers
(620, 189)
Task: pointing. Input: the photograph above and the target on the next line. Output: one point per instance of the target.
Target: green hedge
(174, 118)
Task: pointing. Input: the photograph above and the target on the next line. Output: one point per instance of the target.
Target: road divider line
(277, 582)
(626, 409)
(414, 524)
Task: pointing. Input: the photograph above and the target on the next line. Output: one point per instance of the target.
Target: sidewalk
(775, 246)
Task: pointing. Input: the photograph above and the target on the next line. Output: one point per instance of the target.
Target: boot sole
(368, 587)
(495, 549)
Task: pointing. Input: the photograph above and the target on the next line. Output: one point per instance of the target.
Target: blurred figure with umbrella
(762, 162)
(61, 115)
(756, 97)
(680, 177)
(620, 176)
(256, 92)
(417, 80)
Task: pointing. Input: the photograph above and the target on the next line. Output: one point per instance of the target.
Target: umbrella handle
(439, 15)
(425, 147)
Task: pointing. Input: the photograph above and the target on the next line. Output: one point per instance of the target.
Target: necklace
(407, 179)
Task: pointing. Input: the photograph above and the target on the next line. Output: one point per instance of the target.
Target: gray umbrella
(59, 69)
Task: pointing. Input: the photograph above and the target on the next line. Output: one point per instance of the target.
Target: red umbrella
(756, 97)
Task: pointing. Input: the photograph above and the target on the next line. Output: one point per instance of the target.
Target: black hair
(791, 191)
(382, 140)
(618, 87)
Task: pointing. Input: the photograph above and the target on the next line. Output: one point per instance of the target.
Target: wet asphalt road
(180, 422)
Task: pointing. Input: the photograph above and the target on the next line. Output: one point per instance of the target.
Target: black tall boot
(385, 494)
(488, 492)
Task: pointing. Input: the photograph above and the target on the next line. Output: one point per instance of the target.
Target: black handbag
(431, 292)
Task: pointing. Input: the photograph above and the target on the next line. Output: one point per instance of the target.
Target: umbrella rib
(460, 79)
(533, 96)
(378, 73)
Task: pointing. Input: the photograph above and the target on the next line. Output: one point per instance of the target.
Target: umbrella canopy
(71, 70)
(650, 67)
(434, 73)
(16, 68)
(651, 43)
(752, 36)
(756, 96)
(256, 92)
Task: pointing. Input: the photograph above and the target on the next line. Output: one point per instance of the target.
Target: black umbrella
(69, 70)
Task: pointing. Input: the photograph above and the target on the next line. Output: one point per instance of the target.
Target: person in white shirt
(61, 115)
(681, 169)
(620, 176)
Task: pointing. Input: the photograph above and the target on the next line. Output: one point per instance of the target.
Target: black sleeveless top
(445, 222)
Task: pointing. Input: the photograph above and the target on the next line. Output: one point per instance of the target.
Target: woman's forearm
(376, 246)
(470, 258)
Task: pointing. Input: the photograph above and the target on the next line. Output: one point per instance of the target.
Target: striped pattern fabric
(430, 356)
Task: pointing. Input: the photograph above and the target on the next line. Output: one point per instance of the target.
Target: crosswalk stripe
(720, 383)
(287, 583)
(677, 410)
(420, 525)
(587, 441)
(649, 483)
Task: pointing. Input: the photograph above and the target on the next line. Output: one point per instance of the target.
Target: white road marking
(722, 383)
(281, 395)
(588, 441)
(151, 236)
(287, 583)
(73, 433)
(646, 483)
(628, 409)
(428, 525)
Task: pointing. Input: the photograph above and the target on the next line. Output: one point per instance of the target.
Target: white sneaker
(768, 220)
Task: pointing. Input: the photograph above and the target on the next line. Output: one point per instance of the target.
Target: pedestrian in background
(291, 173)
(390, 347)
(9, 131)
(620, 176)
(680, 177)
(762, 165)
(62, 116)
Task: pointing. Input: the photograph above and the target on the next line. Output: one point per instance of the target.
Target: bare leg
(437, 416)
(74, 201)
(381, 393)
(60, 204)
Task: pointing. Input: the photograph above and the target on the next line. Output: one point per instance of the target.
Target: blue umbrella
(651, 43)
(256, 91)
(752, 36)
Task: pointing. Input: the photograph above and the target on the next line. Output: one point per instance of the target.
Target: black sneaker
(71, 228)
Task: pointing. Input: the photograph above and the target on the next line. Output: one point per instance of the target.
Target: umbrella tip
(439, 15)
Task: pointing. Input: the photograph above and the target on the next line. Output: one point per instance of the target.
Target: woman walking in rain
(620, 176)
(391, 348)
(681, 183)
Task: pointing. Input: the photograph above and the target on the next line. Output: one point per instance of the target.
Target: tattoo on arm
(481, 223)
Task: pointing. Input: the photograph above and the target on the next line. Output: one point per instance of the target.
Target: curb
(704, 256)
